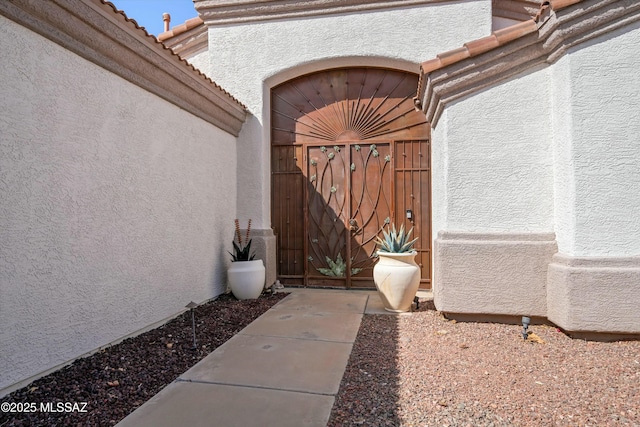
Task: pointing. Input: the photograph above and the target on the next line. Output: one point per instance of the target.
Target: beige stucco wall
(492, 273)
(116, 207)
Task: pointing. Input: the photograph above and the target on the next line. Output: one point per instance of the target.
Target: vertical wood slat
(286, 201)
(413, 191)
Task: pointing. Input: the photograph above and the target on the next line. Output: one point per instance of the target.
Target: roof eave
(555, 33)
(98, 32)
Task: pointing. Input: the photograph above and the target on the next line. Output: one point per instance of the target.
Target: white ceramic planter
(397, 277)
(246, 278)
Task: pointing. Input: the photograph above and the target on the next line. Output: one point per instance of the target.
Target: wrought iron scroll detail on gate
(349, 201)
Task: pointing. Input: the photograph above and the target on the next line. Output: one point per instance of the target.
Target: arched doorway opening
(349, 155)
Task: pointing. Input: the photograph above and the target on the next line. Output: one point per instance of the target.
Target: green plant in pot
(242, 252)
(396, 274)
(246, 274)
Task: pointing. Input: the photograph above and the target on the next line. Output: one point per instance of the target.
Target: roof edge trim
(97, 31)
(542, 40)
(225, 12)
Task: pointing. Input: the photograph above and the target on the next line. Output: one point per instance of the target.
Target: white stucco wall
(268, 53)
(439, 167)
(596, 95)
(493, 160)
(201, 61)
(116, 207)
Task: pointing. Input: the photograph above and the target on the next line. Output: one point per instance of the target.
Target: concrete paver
(284, 369)
(206, 405)
(281, 363)
(309, 324)
(324, 300)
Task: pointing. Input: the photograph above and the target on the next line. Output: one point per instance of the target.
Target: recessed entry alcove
(349, 155)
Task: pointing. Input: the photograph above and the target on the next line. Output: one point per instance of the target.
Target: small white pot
(397, 277)
(246, 278)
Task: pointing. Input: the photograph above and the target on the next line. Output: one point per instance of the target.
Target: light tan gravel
(423, 370)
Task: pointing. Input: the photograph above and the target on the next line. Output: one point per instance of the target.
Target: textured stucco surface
(201, 62)
(596, 130)
(493, 160)
(594, 294)
(116, 206)
(439, 174)
(593, 285)
(492, 273)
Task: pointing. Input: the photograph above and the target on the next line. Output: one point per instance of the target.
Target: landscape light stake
(525, 326)
(191, 306)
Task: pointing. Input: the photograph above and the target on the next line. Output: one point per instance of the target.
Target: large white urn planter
(397, 277)
(246, 278)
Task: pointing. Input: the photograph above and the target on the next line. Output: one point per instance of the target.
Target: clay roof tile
(431, 65)
(513, 32)
(560, 4)
(453, 56)
(476, 47)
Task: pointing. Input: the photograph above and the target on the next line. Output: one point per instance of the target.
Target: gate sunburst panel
(348, 104)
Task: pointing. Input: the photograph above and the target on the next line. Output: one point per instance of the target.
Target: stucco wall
(493, 160)
(555, 149)
(116, 206)
(439, 162)
(596, 132)
(201, 62)
(493, 205)
(593, 284)
(274, 51)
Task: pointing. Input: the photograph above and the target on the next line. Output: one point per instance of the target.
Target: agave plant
(396, 242)
(337, 268)
(242, 252)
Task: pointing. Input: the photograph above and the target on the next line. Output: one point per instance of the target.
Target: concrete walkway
(284, 369)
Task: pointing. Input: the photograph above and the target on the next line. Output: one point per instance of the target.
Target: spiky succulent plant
(242, 252)
(396, 242)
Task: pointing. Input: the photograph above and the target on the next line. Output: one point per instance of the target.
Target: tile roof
(189, 24)
(543, 38)
(100, 33)
(496, 39)
(517, 10)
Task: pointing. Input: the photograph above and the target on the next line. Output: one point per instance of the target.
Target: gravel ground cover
(118, 379)
(423, 370)
(417, 370)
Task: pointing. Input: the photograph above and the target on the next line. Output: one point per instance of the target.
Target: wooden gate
(349, 155)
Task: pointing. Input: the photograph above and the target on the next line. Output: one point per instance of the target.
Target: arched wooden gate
(349, 155)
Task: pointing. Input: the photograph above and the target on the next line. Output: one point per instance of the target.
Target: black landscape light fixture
(526, 321)
(191, 306)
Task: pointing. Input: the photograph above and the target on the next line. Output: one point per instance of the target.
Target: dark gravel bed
(118, 379)
(423, 370)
